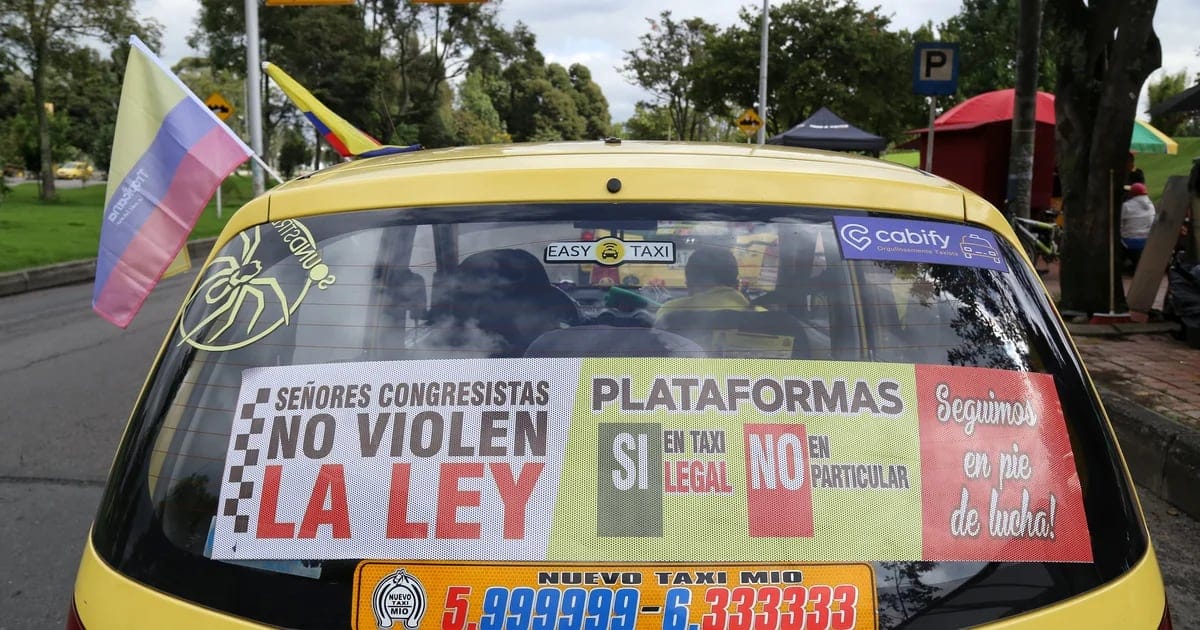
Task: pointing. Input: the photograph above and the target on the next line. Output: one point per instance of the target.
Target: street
(68, 379)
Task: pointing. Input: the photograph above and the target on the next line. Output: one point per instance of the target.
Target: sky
(597, 32)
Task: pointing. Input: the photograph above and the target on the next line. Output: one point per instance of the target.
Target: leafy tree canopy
(822, 53)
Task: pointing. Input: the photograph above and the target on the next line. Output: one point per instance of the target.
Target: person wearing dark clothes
(1133, 175)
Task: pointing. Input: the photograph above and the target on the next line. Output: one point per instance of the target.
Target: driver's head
(710, 267)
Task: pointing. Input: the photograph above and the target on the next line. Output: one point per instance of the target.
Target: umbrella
(994, 107)
(989, 107)
(1147, 139)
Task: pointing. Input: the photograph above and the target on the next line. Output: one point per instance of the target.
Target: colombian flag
(170, 152)
(346, 139)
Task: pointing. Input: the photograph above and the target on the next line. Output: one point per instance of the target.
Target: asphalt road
(67, 382)
(96, 180)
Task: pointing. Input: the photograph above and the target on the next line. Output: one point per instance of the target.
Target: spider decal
(227, 290)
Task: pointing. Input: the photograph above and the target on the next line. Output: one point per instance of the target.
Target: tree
(1103, 52)
(33, 31)
(294, 151)
(1020, 159)
(537, 101)
(422, 48)
(590, 102)
(822, 53)
(665, 65)
(648, 122)
(326, 49)
(85, 88)
(475, 119)
(387, 66)
(986, 34)
(1165, 87)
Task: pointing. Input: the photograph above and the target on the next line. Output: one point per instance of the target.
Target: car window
(696, 403)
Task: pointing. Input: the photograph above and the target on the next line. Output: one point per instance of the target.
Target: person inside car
(711, 274)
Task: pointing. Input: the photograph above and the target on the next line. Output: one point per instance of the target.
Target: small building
(971, 146)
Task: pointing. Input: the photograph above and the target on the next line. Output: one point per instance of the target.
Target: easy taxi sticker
(610, 252)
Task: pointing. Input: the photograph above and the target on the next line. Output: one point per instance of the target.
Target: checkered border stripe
(241, 444)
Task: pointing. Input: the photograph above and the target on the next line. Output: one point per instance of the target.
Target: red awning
(987, 108)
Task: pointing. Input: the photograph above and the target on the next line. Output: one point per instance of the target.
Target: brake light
(73, 621)
(1165, 624)
(587, 235)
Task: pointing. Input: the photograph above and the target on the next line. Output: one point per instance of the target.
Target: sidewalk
(1150, 384)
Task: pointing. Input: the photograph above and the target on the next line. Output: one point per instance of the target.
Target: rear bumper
(106, 599)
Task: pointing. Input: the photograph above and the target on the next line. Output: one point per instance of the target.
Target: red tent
(971, 146)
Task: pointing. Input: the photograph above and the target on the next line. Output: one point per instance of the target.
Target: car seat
(506, 294)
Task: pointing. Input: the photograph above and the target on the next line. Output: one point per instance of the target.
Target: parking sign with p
(935, 69)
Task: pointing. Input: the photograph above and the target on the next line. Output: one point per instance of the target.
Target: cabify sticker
(607, 460)
(610, 251)
(469, 596)
(874, 238)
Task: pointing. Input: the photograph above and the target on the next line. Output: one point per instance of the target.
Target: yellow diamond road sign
(219, 105)
(749, 122)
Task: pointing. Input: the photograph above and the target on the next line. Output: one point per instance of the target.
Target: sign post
(935, 71)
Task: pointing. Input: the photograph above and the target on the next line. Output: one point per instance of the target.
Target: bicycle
(1041, 239)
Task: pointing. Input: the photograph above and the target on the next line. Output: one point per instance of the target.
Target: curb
(1162, 455)
(1122, 329)
(75, 272)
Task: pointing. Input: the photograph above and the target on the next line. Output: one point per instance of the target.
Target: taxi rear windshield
(637, 415)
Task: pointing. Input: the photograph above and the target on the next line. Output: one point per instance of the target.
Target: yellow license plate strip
(505, 596)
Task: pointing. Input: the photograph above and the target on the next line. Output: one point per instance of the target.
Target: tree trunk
(1020, 160)
(47, 192)
(1105, 51)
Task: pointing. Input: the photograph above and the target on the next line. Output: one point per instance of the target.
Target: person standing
(1134, 175)
(1137, 216)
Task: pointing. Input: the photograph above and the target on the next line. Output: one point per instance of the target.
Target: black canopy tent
(1185, 101)
(827, 130)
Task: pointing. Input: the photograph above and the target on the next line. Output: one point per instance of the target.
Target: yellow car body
(74, 170)
(569, 174)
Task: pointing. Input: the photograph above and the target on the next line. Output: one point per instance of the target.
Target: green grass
(33, 233)
(907, 158)
(1158, 167)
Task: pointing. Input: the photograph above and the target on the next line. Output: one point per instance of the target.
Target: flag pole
(278, 179)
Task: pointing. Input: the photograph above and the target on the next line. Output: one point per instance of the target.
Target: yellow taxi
(74, 170)
(422, 391)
